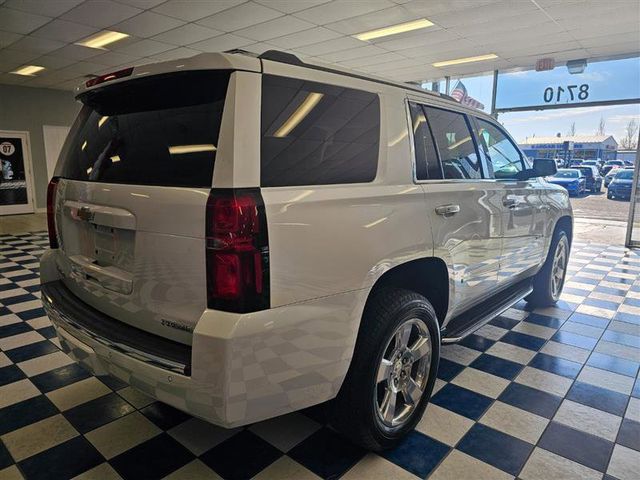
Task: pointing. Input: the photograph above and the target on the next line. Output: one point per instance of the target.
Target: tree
(601, 127)
(630, 139)
(572, 130)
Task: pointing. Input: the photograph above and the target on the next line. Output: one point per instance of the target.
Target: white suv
(243, 237)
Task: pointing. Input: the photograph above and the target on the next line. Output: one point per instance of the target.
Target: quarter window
(455, 144)
(427, 165)
(503, 158)
(314, 133)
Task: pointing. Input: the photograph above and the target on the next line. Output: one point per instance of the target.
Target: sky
(609, 80)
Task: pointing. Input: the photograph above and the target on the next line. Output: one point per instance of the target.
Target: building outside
(569, 147)
(627, 155)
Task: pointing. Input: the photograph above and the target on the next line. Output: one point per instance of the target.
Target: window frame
(468, 121)
(486, 156)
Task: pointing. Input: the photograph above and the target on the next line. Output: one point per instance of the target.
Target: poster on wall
(13, 178)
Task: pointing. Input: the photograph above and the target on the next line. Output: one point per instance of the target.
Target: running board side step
(468, 322)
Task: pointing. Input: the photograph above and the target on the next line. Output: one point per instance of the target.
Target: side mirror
(544, 167)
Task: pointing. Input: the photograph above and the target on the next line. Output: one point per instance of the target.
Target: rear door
(523, 210)
(135, 173)
(464, 209)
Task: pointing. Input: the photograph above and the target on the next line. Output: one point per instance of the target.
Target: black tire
(609, 196)
(356, 407)
(542, 295)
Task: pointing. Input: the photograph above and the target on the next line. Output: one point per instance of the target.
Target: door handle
(446, 210)
(510, 202)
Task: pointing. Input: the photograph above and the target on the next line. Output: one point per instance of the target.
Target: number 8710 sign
(566, 94)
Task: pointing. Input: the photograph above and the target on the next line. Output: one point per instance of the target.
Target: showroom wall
(28, 109)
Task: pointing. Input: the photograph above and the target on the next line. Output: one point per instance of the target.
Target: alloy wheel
(559, 267)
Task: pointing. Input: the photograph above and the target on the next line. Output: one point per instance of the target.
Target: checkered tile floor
(546, 394)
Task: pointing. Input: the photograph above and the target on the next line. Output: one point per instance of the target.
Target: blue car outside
(621, 185)
(571, 179)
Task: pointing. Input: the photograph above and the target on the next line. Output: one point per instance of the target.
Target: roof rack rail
(291, 59)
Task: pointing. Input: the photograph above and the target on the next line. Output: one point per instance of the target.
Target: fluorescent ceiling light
(102, 120)
(100, 40)
(28, 70)
(179, 149)
(458, 61)
(394, 29)
(84, 145)
(301, 112)
(115, 158)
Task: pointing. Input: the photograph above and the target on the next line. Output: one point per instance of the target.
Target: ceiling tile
(360, 52)
(83, 68)
(189, 33)
(36, 45)
(259, 48)
(222, 43)
(16, 56)
(275, 28)
(289, 6)
(54, 62)
(64, 31)
(191, 11)
(144, 4)
(306, 37)
(144, 48)
(7, 38)
(372, 21)
(239, 17)
(176, 54)
(114, 58)
(77, 52)
(341, 9)
(15, 21)
(50, 8)
(330, 46)
(147, 24)
(11, 79)
(100, 13)
(374, 60)
(419, 42)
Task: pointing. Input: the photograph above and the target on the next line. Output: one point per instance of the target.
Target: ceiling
(43, 32)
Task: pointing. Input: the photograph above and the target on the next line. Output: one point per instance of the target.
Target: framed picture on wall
(16, 193)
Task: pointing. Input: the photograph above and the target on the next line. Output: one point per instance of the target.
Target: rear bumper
(240, 368)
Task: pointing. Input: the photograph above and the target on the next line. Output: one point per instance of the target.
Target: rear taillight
(237, 251)
(51, 212)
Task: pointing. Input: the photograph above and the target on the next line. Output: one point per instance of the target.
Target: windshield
(567, 174)
(160, 130)
(624, 175)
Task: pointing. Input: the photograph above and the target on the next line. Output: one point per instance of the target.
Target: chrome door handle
(446, 210)
(510, 202)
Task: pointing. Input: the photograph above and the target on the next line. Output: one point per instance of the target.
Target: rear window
(314, 133)
(161, 130)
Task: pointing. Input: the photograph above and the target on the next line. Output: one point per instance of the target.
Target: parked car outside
(593, 180)
(612, 164)
(609, 176)
(245, 237)
(576, 162)
(621, 185)
(570, 178)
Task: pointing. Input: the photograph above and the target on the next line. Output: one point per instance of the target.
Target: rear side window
(314, 134)
(161, 130)
(427, 164)
(455, 144)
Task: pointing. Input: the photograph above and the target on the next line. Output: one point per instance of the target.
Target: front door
(16, 194)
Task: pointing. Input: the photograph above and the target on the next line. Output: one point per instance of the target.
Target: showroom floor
(544, 394)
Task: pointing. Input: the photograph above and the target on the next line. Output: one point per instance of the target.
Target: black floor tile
(589, 320)
(597, 397)
(629, 434)
(63, 461)
(25, 413)
(497, 366)
(112, 382)
(30, 351)
(31, 314)
(245, 454)
(559, 366)
(586, 449)
(544, 320)
(477, 342)
(98, 412)
(447, 370)
(5, 457)
(14, 329)
(418, 453)
(47, 332)
(613, 364)
(10, 374)
(153, 459)
(164, 416)
(574, 340)
(495, 448)
(531, 399)
(462, 401)
(523, 340)
(504, 322)
(59, 377)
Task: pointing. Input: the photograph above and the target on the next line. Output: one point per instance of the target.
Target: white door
(54, 137)
(16, 181)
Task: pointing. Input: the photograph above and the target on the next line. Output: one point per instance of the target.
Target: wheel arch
(427, 276)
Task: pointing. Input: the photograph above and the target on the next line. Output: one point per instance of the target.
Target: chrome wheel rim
(559, 267)
(403, 373)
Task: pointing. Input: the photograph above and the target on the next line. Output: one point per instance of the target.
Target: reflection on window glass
(160, 130)
(314, 133)
(502, 155)
(457, 150)
(427, 166)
